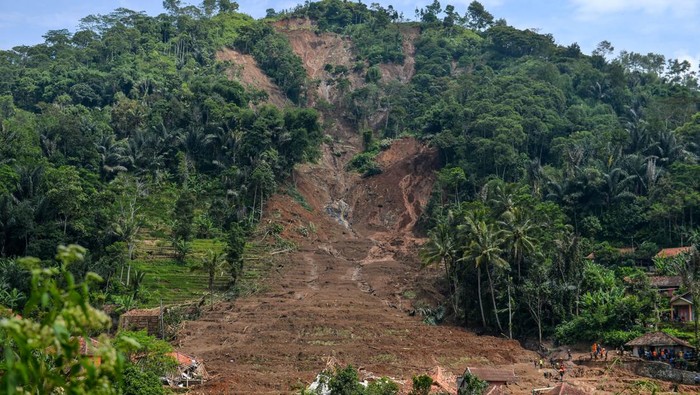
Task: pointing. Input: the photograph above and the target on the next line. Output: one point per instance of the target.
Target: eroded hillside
(350, 291)
(347, 291)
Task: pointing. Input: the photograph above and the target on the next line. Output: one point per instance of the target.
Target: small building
(189, 371)
(666, 285)
(671, 252)
(150, 320)
(657, 341)
(682, 308)
(495, 377)
(87, 347)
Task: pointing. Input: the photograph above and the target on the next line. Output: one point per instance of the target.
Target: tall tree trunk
(211, 287)
(481, 303)
(493, 300)
(510, 315)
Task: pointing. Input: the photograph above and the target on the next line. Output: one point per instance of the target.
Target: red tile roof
(88, 348)
(669, 252)
(182, 359)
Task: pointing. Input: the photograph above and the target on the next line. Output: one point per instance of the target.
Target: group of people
(598, 351)
(560, 366)
(677, 359)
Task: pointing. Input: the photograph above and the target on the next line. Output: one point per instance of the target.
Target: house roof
(88, 345)
(142, 312)
(621, 251)
(665, 281)
(493, 374)
(683, 297)
(658, 339)
(182, 359)
(669, 252)
(496, 389)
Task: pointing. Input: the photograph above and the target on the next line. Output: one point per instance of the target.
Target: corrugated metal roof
(493, 374)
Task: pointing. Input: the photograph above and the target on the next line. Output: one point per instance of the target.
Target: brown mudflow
(343, 294)
(346, 293)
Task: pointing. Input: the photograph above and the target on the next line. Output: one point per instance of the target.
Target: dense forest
(548, 154)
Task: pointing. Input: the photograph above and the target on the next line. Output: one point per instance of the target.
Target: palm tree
(212, 263)
(617, 185)
(112, 156)
(484, 250)
(517, 235)
(441, 248)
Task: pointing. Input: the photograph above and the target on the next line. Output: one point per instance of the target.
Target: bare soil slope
(347, 293)
(245, 70)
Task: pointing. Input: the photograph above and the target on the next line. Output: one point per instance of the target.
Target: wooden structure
(666, 285)
(150, 320)
(682, 308)
(495, 377)
(87, 347)
(189, 371)
(657, 341)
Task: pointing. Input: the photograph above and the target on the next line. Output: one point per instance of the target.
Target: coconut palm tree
(485, 251)
(441, 249)
(517, 232)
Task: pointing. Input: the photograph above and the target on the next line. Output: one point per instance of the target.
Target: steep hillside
(349, 290)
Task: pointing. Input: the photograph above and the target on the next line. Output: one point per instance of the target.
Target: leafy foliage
(43, 351)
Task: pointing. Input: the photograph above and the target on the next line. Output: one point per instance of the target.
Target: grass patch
(297, 196)
(384, 358)
(173, 283)
(257, 265)
(460, 363)
(409, 294)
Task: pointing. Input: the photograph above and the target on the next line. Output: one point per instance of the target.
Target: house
(189, 371)
(150, 320)
(496, 378)
(671, 252)
(656, 341)
(87, 347)
(682, 308)
(666, 285)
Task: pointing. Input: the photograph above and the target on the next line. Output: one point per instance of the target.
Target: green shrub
(383, 386)
(472, 385)
(421, 385)
(364, 163)
(139, 382)
(345, 382)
